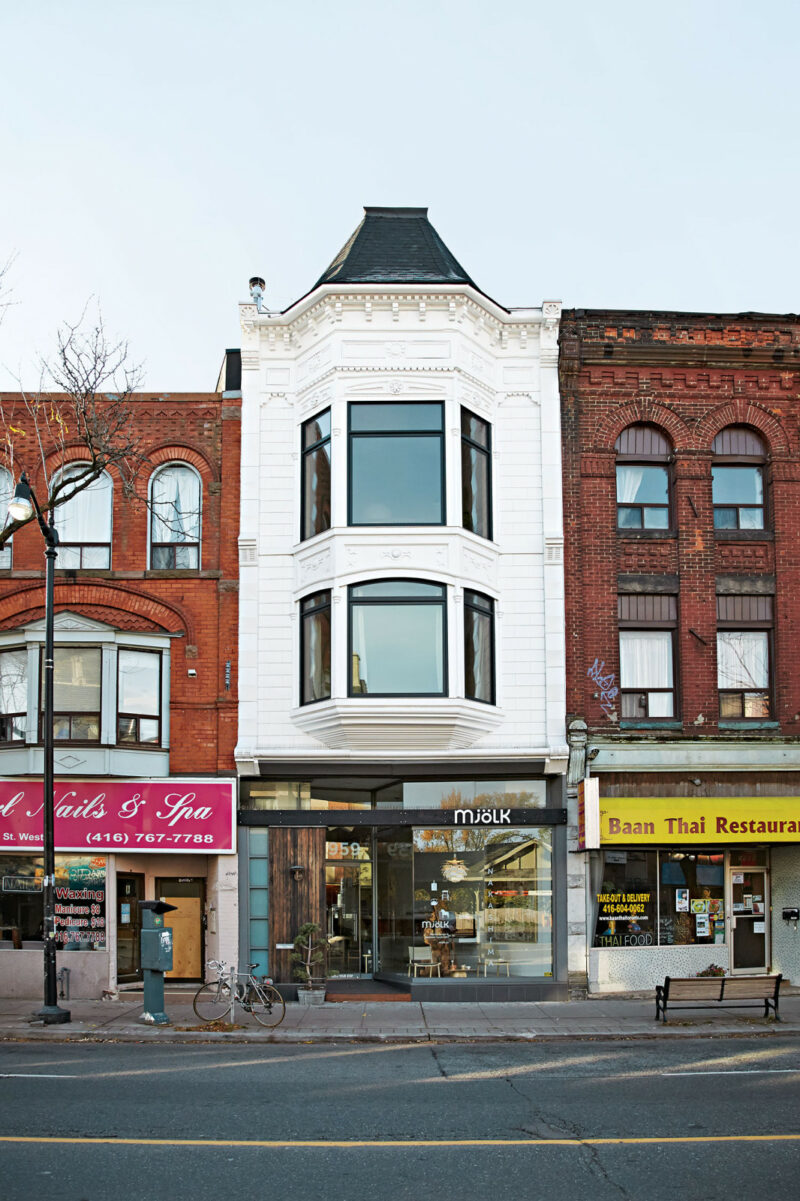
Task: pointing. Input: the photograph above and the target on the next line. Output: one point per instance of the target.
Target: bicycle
(255, 994)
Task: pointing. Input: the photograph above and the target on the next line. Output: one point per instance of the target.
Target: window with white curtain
(6, 492)
(175, 506)
(642, 479)
(646, 673)
(84, 522)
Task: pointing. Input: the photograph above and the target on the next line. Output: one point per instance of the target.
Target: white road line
(741, 1072)
(35, 1076)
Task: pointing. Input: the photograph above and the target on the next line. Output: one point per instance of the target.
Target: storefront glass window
(474, 903)
(386, 793)
(80, 901)
(625, 900)
(666, 898)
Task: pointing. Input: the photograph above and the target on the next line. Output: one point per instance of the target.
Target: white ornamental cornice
(338, 369)
(327, 308)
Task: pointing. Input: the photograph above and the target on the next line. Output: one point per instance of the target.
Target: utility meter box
(156, 937)
(157, 949)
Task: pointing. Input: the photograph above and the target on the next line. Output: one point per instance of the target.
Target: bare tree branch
(85, 407)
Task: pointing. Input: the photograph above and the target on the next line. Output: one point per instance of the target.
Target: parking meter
(156, 959)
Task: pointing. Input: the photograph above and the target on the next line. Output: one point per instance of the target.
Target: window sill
(645, 535)
(664, 723)
(747, 723)
(744, 536)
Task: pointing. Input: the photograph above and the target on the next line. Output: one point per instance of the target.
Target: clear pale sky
(158, 153)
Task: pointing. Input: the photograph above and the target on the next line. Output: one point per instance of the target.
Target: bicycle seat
(251, 967)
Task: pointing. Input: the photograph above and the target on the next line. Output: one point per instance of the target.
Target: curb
(188, 1038)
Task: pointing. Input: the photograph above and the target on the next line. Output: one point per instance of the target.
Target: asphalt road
(704, 1119)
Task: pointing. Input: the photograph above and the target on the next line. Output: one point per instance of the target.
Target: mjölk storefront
(118, 842)
(679, 887)
(447, 888)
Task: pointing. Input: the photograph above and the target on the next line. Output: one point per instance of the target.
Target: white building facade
(401, 748)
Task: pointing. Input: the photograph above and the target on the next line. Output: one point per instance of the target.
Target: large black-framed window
(396, 463)
(643, 479)
(13, 694)
(479, 664)
(315, 496)
(315, 648)
(646, 656)
(139, 696)
(476, 474)
(398, 639)
(744, 657)
(737, 479)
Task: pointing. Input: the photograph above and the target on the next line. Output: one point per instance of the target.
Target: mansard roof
(395, 246)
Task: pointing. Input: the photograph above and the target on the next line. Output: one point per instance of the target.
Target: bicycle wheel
(266, 1004)
(212, 1001)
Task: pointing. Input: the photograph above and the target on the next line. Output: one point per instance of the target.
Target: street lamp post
(22, 506)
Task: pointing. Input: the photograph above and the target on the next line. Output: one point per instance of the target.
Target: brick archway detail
(638, 412)
(86, 597)
(744, 412)
(178, 452)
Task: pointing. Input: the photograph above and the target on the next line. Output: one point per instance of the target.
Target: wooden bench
(745, 992)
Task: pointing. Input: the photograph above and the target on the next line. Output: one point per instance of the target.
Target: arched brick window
(737, 479)
(175, 507)
(643, 479)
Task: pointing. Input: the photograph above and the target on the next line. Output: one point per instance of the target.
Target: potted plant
(309, 954)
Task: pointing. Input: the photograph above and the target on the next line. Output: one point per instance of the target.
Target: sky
(156, 154)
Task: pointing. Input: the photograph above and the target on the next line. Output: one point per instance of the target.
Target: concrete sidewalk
(610, 1017)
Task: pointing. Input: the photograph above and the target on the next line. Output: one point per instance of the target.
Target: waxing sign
(196, 816)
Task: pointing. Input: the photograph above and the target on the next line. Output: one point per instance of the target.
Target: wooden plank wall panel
(293, 902)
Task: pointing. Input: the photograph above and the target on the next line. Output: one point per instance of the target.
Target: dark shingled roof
(393, 246)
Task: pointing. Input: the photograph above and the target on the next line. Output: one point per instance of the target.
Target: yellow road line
(408, 1143)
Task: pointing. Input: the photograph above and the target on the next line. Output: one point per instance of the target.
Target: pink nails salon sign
(114, 815)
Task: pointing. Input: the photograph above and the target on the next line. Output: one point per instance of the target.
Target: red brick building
(681, 469)
(146, 602)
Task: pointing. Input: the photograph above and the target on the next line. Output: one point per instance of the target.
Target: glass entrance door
(749, 918)
(130, 891)
(348, 902)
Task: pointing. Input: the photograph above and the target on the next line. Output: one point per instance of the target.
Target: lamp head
(297, 871)
(20, 507)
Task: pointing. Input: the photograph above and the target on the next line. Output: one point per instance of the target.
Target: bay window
(138, 696)
(76, 693)
(396, 464)
(13, 694)
(476, 474)
(479, 671)
(315, 648)
(110, 688)
(316, 473)
(398, 636)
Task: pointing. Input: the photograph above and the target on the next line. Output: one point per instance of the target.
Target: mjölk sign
(482, 817)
